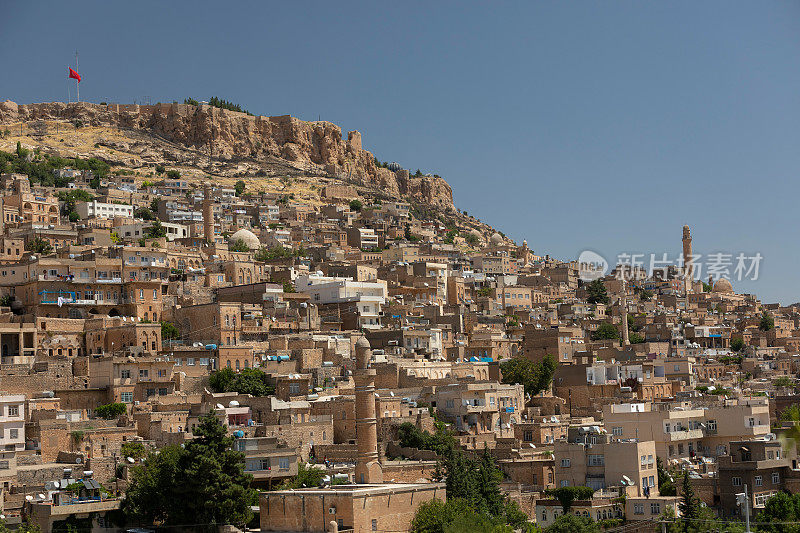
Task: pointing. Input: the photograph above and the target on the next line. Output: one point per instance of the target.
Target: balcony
(689, 434)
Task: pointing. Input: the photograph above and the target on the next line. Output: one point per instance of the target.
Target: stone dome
(248, 237)
(723, 285)
(497, 239)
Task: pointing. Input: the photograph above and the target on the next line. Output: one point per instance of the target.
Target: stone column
(368, 468)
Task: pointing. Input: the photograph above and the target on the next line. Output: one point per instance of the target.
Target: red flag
(74, 75)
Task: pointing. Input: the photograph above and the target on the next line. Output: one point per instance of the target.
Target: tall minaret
(208, 214)
(623, 303)
(368, 467)
(688, 261)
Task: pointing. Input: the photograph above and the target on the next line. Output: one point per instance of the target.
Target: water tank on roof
(233, 403)
(238, 433)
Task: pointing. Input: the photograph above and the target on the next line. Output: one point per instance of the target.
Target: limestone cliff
(216, 138)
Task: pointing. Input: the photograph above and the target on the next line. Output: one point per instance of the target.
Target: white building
(367, 296)
(103, 210)
(12, 422)
(137, 231)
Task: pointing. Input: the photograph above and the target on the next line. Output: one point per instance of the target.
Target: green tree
(271, 254)
(133, 449)
(571, 523)
(307, 477)
(767, 322)
(247, 381)
(355, 205)
(143, 213)
(471, 239)
(605, 331)
(202, 484)
(666, 486)
(535, 377)
(737, 343)
(635, 338)
(38, 245)
(689, 504)
(781, 514)
(567, 495)
(238, 246)
(169, 331)
(156, 230)
(111, 410)
(596, 293)
(239, 187)
(173, 174)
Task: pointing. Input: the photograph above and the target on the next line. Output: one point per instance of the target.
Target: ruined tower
(688, 264)
(368, 467)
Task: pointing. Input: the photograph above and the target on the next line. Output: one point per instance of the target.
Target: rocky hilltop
(228, 142)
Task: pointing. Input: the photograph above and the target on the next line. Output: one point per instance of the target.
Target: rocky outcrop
(231, 137)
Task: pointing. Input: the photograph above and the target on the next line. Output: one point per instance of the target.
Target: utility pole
(744, 501)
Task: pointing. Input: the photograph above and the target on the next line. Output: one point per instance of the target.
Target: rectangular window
(655, 508)
(143, 372)
(776, 478)
(283, 463)
(638, 508)
(13, 433)
(565, 463)
(758, 481)
(13, 410)
(596, 460)
(126, 397)
(616, 431)
(736, 481)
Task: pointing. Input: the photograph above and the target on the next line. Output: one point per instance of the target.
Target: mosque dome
(723, 285)
(248, 237)
(497, 239)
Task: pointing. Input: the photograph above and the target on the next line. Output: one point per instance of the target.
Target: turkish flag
(74, 75)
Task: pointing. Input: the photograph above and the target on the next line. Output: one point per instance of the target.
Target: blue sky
(574, 125)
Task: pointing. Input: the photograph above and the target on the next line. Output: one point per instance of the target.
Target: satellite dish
(41, 496)
(50, 485)
(29, 497)
(131, 460)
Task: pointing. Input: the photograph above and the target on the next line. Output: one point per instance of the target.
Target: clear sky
(575, 125)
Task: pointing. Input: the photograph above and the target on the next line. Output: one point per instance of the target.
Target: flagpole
(77, 82)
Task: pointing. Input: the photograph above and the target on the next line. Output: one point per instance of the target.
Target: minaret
(688, 264)
(368, 467)
(623, 303)
(208, 214)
